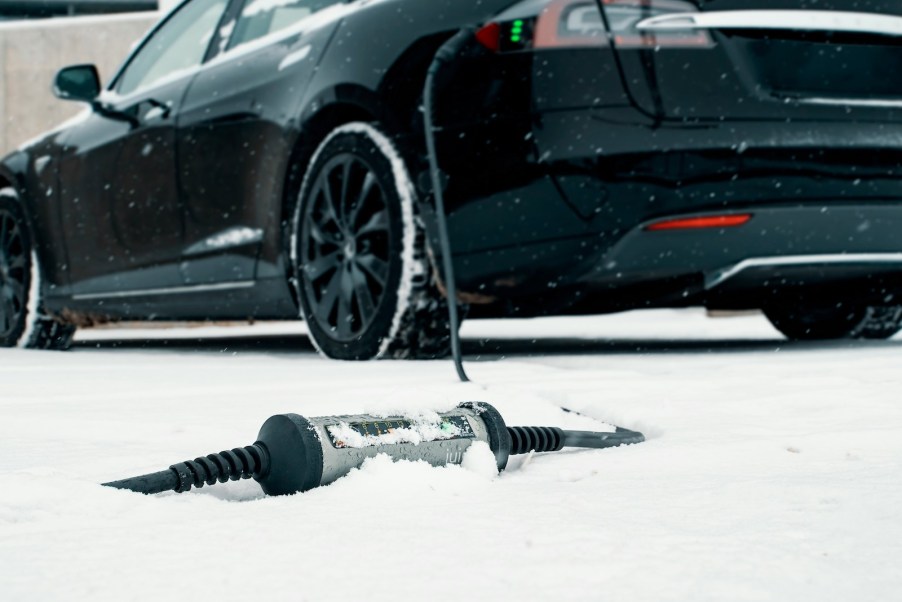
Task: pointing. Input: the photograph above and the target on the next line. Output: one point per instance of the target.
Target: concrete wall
(32, 52)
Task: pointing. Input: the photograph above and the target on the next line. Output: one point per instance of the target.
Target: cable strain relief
(525, 439)
(239, 463)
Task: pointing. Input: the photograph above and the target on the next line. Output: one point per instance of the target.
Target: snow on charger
(294, 454)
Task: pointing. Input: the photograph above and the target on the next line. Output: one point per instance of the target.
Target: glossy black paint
(173, 202)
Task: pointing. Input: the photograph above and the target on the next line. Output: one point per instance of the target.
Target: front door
(121, 212)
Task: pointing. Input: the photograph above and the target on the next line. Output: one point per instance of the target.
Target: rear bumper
(774, 238)
(849, 252)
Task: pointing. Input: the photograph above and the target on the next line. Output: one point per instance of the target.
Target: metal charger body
(306, 453)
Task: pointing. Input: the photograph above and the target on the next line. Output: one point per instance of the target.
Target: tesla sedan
(265, 159)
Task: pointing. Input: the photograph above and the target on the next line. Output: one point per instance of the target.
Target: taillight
(701, 222)
(490, 36)
(576, 23)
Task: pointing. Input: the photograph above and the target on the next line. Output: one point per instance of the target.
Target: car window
(180, 44)
(262, 17)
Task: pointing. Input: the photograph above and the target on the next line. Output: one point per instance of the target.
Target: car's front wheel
(837, 321)
(23, 322)
(362, 274)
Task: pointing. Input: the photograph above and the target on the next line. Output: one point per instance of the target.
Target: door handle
(158, 110)
(797, 20)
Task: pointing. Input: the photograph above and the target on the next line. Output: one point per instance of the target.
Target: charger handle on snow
(294, 454)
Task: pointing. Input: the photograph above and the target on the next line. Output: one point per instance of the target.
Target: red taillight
(575, 23)
(490, 36)
(704, 221)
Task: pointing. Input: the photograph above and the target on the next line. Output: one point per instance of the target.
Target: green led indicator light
(516, 30)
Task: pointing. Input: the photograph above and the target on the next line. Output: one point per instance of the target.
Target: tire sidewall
(375, 149)
(818, 323)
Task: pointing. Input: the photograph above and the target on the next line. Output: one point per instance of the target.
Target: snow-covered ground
(772, 471)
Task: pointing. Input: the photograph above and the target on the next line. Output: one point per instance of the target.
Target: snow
(771, 470)
(31, 306)
(422, 428)
(262, 6)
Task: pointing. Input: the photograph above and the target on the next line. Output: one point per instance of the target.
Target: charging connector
(294, 454)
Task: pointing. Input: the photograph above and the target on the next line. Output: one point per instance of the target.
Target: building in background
(32, 49)
(37, 9)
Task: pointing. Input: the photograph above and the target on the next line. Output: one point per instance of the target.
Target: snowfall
(771, 470)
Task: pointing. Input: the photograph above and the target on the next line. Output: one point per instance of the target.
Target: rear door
(703, 60)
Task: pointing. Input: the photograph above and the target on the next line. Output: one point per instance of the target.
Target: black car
(264, 158)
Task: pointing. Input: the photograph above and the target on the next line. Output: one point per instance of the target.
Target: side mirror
(79, 82)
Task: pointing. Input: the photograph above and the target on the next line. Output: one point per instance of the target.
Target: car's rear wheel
(838, 321)
(362, 274)
(23, 322)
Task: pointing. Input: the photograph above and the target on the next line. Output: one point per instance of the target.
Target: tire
(361, 270)
(840, 321)
(880, 322)
(23, 322)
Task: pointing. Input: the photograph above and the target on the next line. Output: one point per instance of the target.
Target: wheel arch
(393, 104)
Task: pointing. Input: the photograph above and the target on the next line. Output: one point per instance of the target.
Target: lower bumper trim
(718, 277)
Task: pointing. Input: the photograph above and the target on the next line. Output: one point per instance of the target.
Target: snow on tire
(361, 272)
(23, 322)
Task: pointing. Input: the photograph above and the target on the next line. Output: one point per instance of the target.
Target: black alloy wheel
(345, 247)
(362, 273)
(14, 276)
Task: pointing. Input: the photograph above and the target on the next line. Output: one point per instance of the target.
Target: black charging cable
(447, 53)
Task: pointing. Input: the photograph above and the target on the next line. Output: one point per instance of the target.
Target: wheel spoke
(329, 298)
(369, 181)
(363, 294)
(15, 290)
(317, 268)
(375, 267)
(320, 235)
(325, 187)
(377, 223)
(9, 312)
(344, 307)
(343, 203)
(4, 227)
(17, 263)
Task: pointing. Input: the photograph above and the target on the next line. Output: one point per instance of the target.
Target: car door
(234, 136)
(121, 214)
(715, 60)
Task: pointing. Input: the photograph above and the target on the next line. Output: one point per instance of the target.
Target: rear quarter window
(261, 18)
